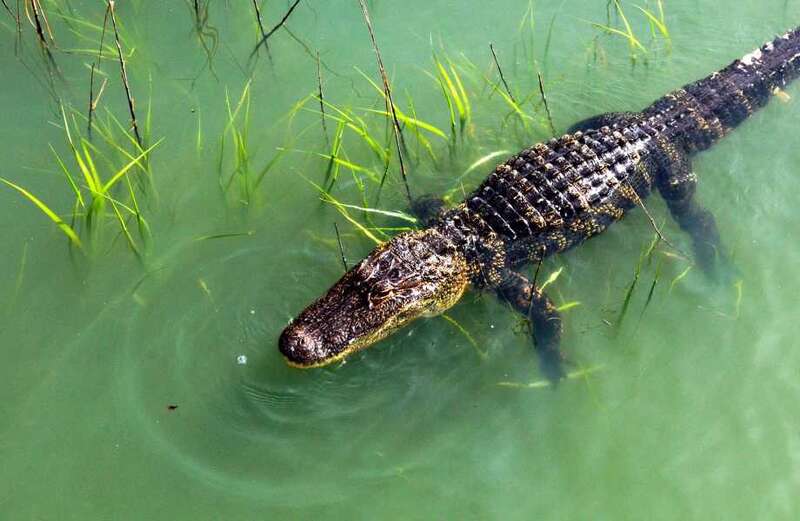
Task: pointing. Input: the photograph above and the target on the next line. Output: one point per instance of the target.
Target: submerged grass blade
(482, 161)
(248, 233)
(481, 353)
(342, 208)
(64, 227)
(551, 279)
(387, 213)
(70, 180)
(543, 384)
(116, 177)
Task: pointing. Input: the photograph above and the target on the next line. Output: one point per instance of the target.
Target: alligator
(546, 199)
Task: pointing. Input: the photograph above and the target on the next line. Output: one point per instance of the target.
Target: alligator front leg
(545, 320)
(428, 208)
(678, 185)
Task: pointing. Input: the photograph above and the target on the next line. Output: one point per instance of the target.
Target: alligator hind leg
(534, 304)
(678, 184)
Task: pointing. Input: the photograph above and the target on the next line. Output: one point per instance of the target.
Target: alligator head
(415, 274)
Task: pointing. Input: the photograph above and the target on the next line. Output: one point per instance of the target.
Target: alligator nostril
(300, 346)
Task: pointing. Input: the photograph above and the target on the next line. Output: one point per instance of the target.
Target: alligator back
(553, 196)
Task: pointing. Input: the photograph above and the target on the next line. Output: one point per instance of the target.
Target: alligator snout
(301, 347)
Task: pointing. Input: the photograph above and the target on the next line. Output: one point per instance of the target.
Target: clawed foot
(551, 364)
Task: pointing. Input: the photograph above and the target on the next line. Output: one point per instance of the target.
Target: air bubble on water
(241, 360)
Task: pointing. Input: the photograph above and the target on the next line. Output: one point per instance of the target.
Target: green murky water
(692, 412)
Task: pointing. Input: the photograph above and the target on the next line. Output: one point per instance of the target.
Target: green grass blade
(551, 279)
(70, 180)
(116, 177)
(412, 122)
(662, 28)
(64, 227)
(326, 197)
(481, 353)
(388, 213)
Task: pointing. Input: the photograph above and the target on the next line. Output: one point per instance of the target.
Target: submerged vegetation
(370, 150)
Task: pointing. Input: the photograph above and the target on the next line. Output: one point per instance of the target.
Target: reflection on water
(154, 389)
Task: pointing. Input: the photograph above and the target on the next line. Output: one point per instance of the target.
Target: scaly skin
(543, 201)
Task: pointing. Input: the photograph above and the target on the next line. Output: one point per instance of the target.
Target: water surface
(152, 388)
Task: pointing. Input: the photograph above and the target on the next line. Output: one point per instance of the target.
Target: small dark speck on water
(171, 407)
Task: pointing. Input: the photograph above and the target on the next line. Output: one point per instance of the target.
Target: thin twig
(389, 101)
(260, 21)
(36, 22)
(124, 73)
(258, 18)
(38, 13)
(263, 40)
(308, 50)
(341, 248)
(654, 225)
(500, 70)
(321, 100)
(92, 100)
(546, 106)
(10, 12)
(15, 18)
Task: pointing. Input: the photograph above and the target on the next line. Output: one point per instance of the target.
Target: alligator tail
(699, 114)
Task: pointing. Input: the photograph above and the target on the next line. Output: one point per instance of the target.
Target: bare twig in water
(653, 223)
(10, 12)
(546, 106)
(260, 21)
(207, 35)
(321, 100)
(286, 16)
(389, 101)
(41, 25)
(92, 100)
(308, 51)
(40, 21)
(124, 73)
(500, 70)
(15, 17)
(341, 248)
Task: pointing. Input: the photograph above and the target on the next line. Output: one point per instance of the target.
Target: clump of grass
(658, 24)
(635, 46)
(455, 95)
(101, 187)
(238, 169)
(636, 49)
